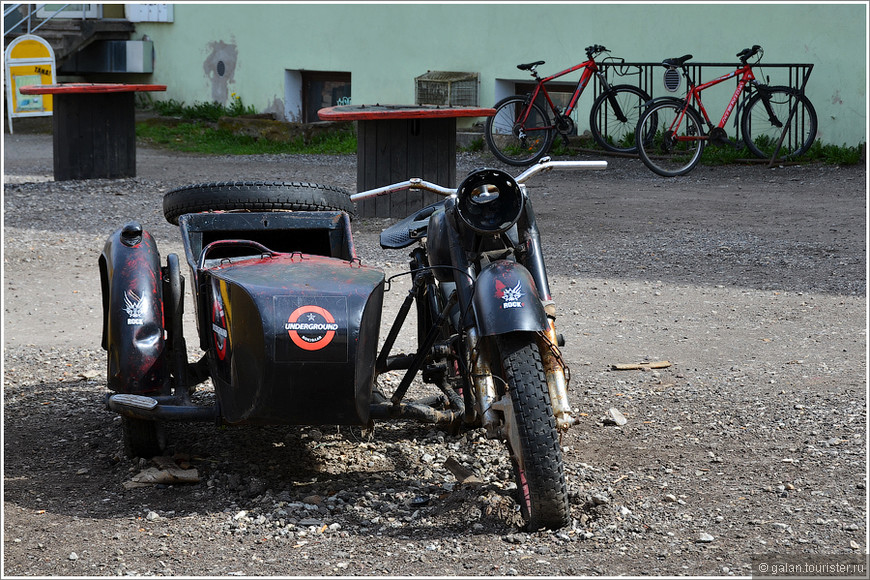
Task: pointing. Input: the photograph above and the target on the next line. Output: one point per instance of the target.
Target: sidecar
(287, 316)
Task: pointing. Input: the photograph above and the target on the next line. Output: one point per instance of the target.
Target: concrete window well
(306, 92)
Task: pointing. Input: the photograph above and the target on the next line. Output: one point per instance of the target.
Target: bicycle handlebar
(594, 49)
(748, 53)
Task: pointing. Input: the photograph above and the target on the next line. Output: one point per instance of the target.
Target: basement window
(322, 89)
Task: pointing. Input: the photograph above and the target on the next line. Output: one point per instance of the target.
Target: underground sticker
(311, 327)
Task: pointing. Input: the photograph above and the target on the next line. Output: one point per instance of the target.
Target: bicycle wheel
(518, 143)
(761, 128)
(614, 117)
(672, 145)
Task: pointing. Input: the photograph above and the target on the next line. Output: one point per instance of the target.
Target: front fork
(480, 359)
(611, 98)
(556, 371)
(496, 412)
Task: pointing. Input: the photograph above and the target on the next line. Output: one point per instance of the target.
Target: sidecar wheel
(254, 196)
(143, 438)
(543, 494)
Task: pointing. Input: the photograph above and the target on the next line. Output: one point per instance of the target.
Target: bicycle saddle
(676, 62)
(530, 66)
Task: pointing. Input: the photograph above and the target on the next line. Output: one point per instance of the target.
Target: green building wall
(386, 46)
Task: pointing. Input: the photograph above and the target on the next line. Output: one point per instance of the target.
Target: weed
(204, 111)
(834, 155)
(476, 145)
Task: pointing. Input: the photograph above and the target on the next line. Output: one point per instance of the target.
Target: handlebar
(748, 53)
(594, 49)
(416, 183)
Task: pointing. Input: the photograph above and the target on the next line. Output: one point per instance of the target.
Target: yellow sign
(29, 61)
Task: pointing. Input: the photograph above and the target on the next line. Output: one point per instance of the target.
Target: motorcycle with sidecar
(288, 319)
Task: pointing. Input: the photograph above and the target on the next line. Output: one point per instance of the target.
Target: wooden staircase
(66, 36)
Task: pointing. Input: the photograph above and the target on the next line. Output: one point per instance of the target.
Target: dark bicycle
(524, 126)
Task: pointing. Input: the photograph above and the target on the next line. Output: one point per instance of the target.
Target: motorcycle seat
(406, 231)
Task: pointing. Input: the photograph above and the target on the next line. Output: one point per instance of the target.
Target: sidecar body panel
(291, 337)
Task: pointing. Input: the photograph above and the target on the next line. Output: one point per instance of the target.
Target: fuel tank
(133, 328)
(292, 338)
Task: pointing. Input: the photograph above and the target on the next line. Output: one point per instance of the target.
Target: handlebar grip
(748, 52)
(594, 49)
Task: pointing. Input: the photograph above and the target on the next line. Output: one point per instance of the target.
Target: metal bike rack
(649, 73)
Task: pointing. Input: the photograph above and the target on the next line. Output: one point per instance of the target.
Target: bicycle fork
(611, 98)
(771, 115)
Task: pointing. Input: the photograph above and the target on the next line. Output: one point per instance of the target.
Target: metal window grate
(455, 89)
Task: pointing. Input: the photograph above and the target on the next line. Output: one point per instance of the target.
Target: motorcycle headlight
(489, 201)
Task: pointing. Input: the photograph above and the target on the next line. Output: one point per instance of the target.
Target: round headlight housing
(489, 201)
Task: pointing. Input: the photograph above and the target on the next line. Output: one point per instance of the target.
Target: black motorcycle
(289, 317)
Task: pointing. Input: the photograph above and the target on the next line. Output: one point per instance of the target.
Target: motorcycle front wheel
(532, 438)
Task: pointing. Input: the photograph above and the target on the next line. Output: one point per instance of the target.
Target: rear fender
(507, 300)
(133, 325)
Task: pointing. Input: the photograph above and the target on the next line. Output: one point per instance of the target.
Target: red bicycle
(776, 120)
(523, 129)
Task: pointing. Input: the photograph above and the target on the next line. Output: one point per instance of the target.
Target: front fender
(506, 300)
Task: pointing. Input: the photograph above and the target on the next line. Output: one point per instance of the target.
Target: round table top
(379, 112)
(79, 88)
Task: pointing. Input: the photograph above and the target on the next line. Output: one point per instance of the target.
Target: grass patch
(197, 133)
(203, 111)
(833, 154)
(477, 145)
(200, 137)
(817, 153)
(724, 155)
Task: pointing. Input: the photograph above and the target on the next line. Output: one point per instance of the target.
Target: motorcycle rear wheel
(254, 196)
(538, 467)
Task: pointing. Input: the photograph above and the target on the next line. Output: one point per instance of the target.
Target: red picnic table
(94, 128)
(397, 142)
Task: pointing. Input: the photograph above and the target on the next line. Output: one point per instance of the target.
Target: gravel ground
(750, 281)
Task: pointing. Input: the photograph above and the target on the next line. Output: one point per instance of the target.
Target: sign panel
(29, 61)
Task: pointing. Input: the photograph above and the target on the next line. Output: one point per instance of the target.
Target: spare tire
(254, 196)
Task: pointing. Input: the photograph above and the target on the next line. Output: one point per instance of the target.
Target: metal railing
(29, 16)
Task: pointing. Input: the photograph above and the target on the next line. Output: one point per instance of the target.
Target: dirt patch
(750, 281)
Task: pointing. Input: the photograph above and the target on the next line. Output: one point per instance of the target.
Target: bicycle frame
(693, 95)
(590, 67)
